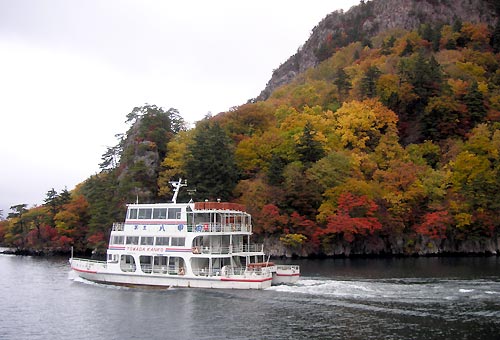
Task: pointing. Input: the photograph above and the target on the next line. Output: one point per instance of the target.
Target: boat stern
(286, 274)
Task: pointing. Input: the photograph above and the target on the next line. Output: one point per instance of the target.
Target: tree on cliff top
(211, 167)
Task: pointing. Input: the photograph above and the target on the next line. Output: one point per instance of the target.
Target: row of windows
(154, 213)
(171, 265)
(149, 240)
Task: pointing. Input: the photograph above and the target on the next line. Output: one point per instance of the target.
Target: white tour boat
(202, 244)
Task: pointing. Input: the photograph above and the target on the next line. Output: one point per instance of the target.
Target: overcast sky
(71, 70)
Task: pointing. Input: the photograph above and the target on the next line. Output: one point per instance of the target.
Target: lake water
(411, 298)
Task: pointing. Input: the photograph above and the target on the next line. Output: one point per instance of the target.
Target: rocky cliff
(371, 18)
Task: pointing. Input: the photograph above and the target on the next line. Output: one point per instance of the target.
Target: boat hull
(98, 273)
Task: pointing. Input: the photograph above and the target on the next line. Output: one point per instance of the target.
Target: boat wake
(75, 278)
(400, 290)
(427, 298)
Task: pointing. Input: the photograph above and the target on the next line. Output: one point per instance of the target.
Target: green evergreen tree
(426, 32)
(457, 25)
(105, 205)
(426, 77)
(55, 201)
(211, 167)
(369, 82)
(495, 38)
(309, 149)
(387, 45)
(408, 50)
(275, 171)
(343, 83)
(52, 201)
(142, 151)
(474, 100)
(19, 227)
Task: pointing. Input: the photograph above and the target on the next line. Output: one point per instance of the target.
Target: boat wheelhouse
(202, 244)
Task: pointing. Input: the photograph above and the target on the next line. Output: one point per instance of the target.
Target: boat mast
(177, 186)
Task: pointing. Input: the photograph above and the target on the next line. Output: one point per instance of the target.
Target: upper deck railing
(219, 206)
(241, 248)
(201, 227)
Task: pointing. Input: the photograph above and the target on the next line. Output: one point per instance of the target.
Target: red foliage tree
(43, 237)
(355, 216)
(270, 220)
(97, 240)
(301, 224)
(434, 225)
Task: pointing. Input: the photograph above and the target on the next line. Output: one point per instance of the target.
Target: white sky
(71, 70)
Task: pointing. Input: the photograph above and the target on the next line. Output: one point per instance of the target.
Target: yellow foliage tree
(174, 163)
(360, 125)
(254, 154)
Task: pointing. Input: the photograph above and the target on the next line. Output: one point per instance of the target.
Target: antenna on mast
(191, 193)
(177, 186)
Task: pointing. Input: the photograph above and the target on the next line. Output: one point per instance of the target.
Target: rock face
(369, 19)
(397, 247)
(139, 163)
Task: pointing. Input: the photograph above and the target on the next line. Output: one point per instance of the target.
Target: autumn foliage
(388, 143)
(355, 216)
(435, 225)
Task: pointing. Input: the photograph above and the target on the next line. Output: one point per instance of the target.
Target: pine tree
(408, 49)
(275, 171)
(343, 83)
(211, 167)
(495, 38)
(309, 149)
(474, 100)
(369, 82)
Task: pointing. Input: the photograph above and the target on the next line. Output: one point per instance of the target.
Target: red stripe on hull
(84, 271)
(245, 280)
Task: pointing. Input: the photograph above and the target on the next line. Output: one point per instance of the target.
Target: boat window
(178, 241)
(117, 239)
(159, 213)
(174, 213)
(127, 263)
(132, 240)
(144, 214)
(176, 266)
(147, 240)
(132, 214)
(162, 241)
(112, 258)
(160, 260)
(146, 263)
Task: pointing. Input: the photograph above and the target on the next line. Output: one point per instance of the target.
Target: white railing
(252, 248)
(87, 264)
(229, 271)
(248, 248)
(219, 228)
(203, 228)
(158, 269)
(210, 250)
(118, 226)
(207, 272)
(292, 267)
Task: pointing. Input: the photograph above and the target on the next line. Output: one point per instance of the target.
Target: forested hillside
(388, 146)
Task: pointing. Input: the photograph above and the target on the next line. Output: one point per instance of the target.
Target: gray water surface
(415, 298)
